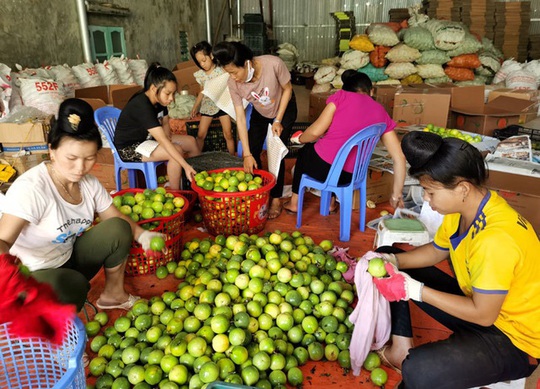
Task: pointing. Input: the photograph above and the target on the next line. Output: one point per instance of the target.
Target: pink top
(354, 112)
(265, 92)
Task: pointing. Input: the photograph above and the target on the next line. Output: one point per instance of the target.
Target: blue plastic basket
(37, 363)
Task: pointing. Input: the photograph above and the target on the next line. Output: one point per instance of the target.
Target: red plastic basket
(237, 212)
(138, 262)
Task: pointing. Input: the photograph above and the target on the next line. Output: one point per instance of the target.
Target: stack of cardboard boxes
(479, 16)
(512, 21)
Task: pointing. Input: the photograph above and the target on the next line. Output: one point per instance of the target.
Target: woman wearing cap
(265, 82)
(49, 211)
(491, 302)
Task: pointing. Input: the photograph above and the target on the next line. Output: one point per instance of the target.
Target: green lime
(379, 376)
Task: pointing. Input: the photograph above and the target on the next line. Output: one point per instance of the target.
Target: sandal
(335, 210)
(289, 211)
(385, 361)
(275, 212)
(126, 305)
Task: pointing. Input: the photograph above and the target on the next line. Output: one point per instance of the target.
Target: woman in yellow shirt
(491, 303)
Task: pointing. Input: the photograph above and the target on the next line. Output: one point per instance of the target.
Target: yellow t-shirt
(500, 253)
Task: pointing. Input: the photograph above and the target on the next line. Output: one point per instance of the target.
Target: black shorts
(220, 113)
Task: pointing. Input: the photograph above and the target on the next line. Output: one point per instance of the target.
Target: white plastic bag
(87, 75)
(276, 151)
(325, 74)
(107, 73)
(64, 75)
(42, 94)
(507, 67)
(521, 79)
(138, 69)
(120, 64)
(354, 59)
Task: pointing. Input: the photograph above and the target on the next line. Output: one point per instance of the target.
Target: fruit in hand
(376, 268)
(157, 243)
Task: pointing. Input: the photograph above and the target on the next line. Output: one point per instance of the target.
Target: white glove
(390, 258)
(295, 138)
(146, 237)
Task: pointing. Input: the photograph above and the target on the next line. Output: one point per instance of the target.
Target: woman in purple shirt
(347, 111)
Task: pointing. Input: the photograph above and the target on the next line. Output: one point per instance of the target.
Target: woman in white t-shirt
(49, 211)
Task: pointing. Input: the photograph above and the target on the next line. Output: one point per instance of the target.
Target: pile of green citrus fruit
(452, 133)
(248, 309)
(148, 204)
(228, 181)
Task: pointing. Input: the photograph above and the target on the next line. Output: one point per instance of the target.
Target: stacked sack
(45, 88)
(415, 51)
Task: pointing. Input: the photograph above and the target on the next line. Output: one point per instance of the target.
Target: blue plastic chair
(362, 144)
(239, 150)
(106, 119)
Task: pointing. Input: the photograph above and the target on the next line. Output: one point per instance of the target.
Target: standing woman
(50, 209)
(491, 303)
(265, 82)
(143, 133)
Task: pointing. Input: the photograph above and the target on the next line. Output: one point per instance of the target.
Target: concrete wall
(36, 32)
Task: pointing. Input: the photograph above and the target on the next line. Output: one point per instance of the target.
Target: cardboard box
(379, 187)
(384, 95)
(523, 94)
(116, 95)
(521, 192)
(317, 103)
(185, 79)
(104, 172)
(416, 105)
(470, 113)
(31, 132)
(26, 162)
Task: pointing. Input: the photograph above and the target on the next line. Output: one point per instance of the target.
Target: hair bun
(76, 115)
(419, 147)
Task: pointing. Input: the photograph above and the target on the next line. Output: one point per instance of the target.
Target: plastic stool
(411, 231)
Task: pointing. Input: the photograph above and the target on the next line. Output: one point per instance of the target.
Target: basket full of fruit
(232, 201)
(159, 210)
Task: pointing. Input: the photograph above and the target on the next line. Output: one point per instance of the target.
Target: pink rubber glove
(295, 138)
(398, 285)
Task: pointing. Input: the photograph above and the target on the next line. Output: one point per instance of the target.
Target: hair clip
(74, 120)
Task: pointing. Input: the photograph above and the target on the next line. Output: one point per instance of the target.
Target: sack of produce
(400, 70)
(378, 56)
(375, 74)
(469, 45)
(437, 57)
(508, 66)
(354, 59)
(521, 79)
(419, 38)
(403, 53)
(138, 69)
(430, 71)
(361, 42)
(325, 74)
(120, 64)
(469, 61)
(382, 35)
(107, 73)
(87, 75)
(459, 74)
(64, 76)
(446, 35)
(412, 79)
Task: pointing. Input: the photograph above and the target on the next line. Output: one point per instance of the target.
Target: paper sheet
(218, 91)
(276, 151)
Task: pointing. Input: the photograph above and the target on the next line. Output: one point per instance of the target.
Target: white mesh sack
(419, 38)
(430, 71)
(107, 73)
(508, 66)
(120, 64)
(325, 74)
(337, 82)
(42, 94)
(438, 57)
(64, 75)
(402, 53)
(33, 72)
(490, 64)
(382, 35)
(87, 75)
(446, 35)
(521, 79)
(469, 45)
(533, 67)
(400, 70)
(354, 59)
(138, 69)
(321, 88)
(390, 81)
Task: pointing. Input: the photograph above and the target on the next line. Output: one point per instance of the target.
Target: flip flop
(290, 212)
(385, 361)
(276, 213)
(126, 305)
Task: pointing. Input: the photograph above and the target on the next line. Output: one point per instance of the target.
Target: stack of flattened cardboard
(512, 21)
(398, 15)
(345, 30)
(442, 9)
(479, 16)
(534, 46)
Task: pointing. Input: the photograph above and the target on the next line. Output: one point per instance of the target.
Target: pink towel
(371, 317)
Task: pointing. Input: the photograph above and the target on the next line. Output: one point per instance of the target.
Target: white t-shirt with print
(47, 240)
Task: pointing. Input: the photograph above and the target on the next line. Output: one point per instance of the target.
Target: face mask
(250, 72)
